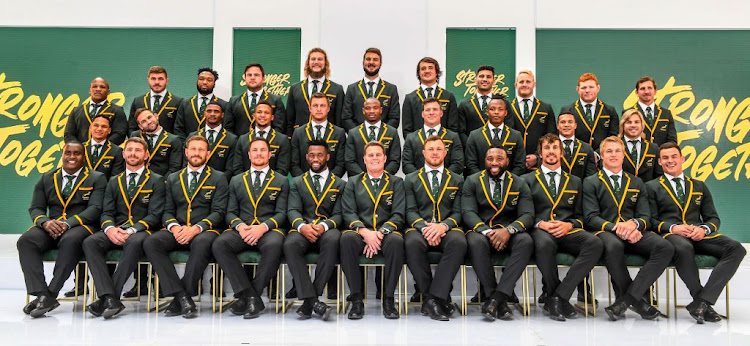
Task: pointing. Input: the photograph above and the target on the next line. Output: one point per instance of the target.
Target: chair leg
(593, 291)
(148, 297)
(85, 284)
(667, 293)
(585, 296)
(221, 289)
(726, 294)
(406, 287)
(156, 292)
(462, 269)
(213, 287)
(674, 290)
(279, 273)
(283, 289)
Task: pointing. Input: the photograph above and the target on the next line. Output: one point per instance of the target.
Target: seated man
(221, 153)
(683, 210)
(321, 128)
(65, 208)
(558, 224)
(615, 205)
(196, 201)
(641, 155)
(372, 129)
(133, 206)
(256, 216)
(496, 206)
(373, 209)
(101, 154)
(433, 209)
(432, 113)
(315, 215)
(280, 155)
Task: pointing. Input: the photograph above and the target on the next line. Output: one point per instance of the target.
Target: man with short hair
(102, 154)
(372, 129)
(240, 117)
(578, 157)
(80, 118)
(158, 100)
(428, 74)
(495, 132)
(221, 142)
(191, 113)
(529, 115)
(472, 111)
(640, 155)
(279, 142)
(164, 149)
(596, 120)
(298, 102)
(432, 115)
(659, 124)
(371, 86)
(319, 127)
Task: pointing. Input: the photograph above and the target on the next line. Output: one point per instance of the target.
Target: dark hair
(197, 137)
(103, 80)
(486, 68)
(255, 64)
(216, 103)
(373, 50)
(73, 142)
(318, 143)
(432, 139)
(430, 60)
(644, 79)
(98, 116)
(374, 144)
(208, 69)
(258, 139)
(138, 112)
(158, 69)
(670, 145)
(496, 146)
(265, 102)
(548, 138)
(429, 100)
(320, 95)
(138, 140)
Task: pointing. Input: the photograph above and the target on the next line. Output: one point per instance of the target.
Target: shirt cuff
(300, 226)
(236, 228)
(131, 230)
(708, 230)
(169, 226)
(637, 224)
(484, 233)
(670, 228)
(107, 229)
(325, 226)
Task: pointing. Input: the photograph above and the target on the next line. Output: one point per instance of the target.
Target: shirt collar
(323, 175)
(250, 92)
(429, 170)
(209, 97)
(321, 80)
(609, 173)
(264, 170)
(628, 139)
(492, 127)
(94, 142)
(313, 124)
(436, 128)
(376, 80)
(139, 171)
(382, 175)
(546, 170)
(98, 104)
(157, 133)
(162, 94)
(217, 129)
(643, 106)
(563, 138)
(76, 174)
(489, 96)
(268, 129)
(593, 103)
(377, 125)
(424, 88)
(670, 177)
(521, 98)
(199, 170)
(502, 176)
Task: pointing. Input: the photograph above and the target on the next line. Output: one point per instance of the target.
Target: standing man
(615, 205)
(659, 122)
(496, 207)
(65, 208)
(315, 216)
(80, 118)
(256, 216)
(596, 120)
(298, 103)
(530, 116)
(133, 206)
(558, 226)
(578, 158)
(373, 210)
(196, 202)
(221, 142)
(496, 132)
(164, 149)
(240, 117)
(641, 155)
(433, 210)
(428, 74)
(432, 115)
(158, 100)
(472, 112)
(372, 129)
(371, 86)
(278, 141)
(319, 127)
(101, 154)
(191, 113)
(683, 211)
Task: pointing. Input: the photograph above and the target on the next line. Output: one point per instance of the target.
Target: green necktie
(373, 137)
(552, 185)
(634, 151)
(256, 182)
(370, 89)
(568, 147)
(429, 92)
(616, 183)
(435, 183)
(649, 116)
(375, 182)
(679, 189)
(431, 132)
(97, 152)
(150, 137)
(211, 136)
(315, 87)
(253, 102)
(193, 183)
(261, 134)
(496, 134)
(526, 112)
(316, 184)
(497, 196)
(131, 184)
(94, 109)
(68, 188)
(203, 105)
(157, 104)
(484, 103)
(318, 132)
(589, 117)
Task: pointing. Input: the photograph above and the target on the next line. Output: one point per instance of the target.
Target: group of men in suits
(490, 180)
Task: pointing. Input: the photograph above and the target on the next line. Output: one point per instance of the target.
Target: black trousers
(585, 246)
(658, 251)
(96, 246)
(157, 248)
(729, 252)
(520, 246)
(453, 246)
(31, 247)
(295, 248)
(391, 248)
(229, 244)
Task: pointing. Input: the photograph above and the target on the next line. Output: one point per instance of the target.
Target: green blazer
(110, 162)
(221, 153)
(79, 121)
(582, 163)
(374, 209)
(189, 119)
(542, 122)
(167, 111)
(336, 139)
(414, 143)
(207, 205)
(142, 211)
(280, 152)
(238, 117)
(82, 207)
(602, 208)
(422, 206)
(411, 114)
(663, 129)
(480, 213)
(268, 207)
(306, 207)
(666, 211)
(479, 142)
(566, 206)
(298, 104)
(354, 101)
(355, 148)
(166, 157)
(606, 122)
(648, 164)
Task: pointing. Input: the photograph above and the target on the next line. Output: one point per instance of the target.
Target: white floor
(134, 326)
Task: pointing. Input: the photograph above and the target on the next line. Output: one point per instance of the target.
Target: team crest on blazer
(331, 98)
(453, 195)
(698, 200)
(572, 199)
(389, 200)
(386, 143)
(106, 163)
(86, 195)
(221, 152)
(274, 148)
(145, 197)
(208, 194)
(650, 163)
(543, 119)
(444, 105)
(272, 196)
(606, 123)
(634, 197)
(170, 111)
(581, 159)
(514, 201)
(332, 146)
(663, 128)
(333, 197)
(163, 151)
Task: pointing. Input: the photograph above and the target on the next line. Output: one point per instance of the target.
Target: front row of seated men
(492, 212)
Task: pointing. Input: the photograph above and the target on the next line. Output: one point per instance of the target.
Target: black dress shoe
(432, 308)
(133, 292)
(305, 311)
(389, 308)
(489, 309)
(503, 311)
(697, 310)
(590, 297)
(173, 309)
(553, 306)
(416, 297)
(238, 306)
(45, 305)
(711, 315)
(357, 311)
(322, 309)
(513, 298)
(568, 310)
(112, 307)
(617, 310)
(253, 308)
(542, 298)
(187, 307)
(72, 292)
(448, 307)
(30, 306)
(646, 310)
(96, 308)
(291, 294)
(475, 298)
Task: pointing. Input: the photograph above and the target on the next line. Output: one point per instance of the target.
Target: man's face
(100, 129)
(263, 115)
(551, 153)
(214, 115)
(73, 157)
(259, 154)
(671, 161)
(633, 127)
(371, 64)
(206, 83)
(588, 90)
(525, 85)
(484, 81)
(646, 92)
(135, 154)
(432, 113)
(98, 90)
(319, 109)
(372, 111)
(254, 78)
(196, 153)
(566, 125)
(427, 73)
(374, 159)
(496, 161)
(158, 82)
(496, 112)
(612, 156)
(434, 153)
(147, 121)
(317, 158)
(317, 63)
